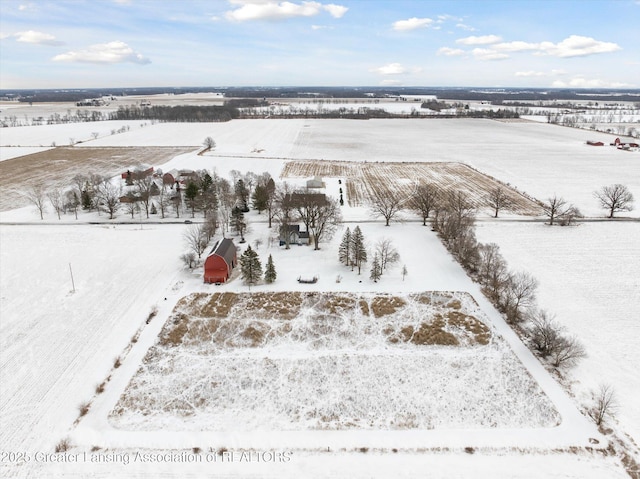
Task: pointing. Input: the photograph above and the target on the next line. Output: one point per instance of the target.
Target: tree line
(180, 113)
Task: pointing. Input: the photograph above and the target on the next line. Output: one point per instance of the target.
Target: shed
(316, 182)
(220, 262)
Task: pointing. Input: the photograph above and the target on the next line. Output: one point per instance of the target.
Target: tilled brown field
(365, 180)
(56, 167)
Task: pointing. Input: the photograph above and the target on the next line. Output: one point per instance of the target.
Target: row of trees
(513, 293)
(180, 113)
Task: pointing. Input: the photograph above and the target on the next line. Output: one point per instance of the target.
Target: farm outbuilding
(315, 182)
(220, 262)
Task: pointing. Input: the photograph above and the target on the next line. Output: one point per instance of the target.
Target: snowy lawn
(589, 278)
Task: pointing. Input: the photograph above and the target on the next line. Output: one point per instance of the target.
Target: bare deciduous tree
(325, 221)
(520, 293)
(109, 197)
(36, 195)
(143, 190)
(605, 404)
(615, 198)
(209, 143)
(425, 200)
(456, 214)
(554, 207)
(189, 259)
(387, 204)
(387, 253)
(568, 352)
(56, 198)
(545, 333)
(498, 200)
(196, 239)
(548, 338)
(210, 226)
(492, 269)
(284, 211)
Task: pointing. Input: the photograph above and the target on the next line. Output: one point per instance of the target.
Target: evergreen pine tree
(270, 271)
(344, 251)
(358, 250)
(191, 193)
(376, 268)
(250, 267)
(237, 222)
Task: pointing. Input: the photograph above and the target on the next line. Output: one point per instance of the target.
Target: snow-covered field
(57, 346)
(539, 159)
(589, 279)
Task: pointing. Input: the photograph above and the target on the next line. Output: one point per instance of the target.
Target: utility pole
(72, 282)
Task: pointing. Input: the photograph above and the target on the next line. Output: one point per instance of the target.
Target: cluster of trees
(79, 116)
(181, 113)
(251, 268)
(88, 192)
(352, 252)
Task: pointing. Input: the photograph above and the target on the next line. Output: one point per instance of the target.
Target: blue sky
(138, 43)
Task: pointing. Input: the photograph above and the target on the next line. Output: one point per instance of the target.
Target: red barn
(220, 262)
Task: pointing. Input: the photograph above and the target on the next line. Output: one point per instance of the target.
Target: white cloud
(532, 73)
(411, 24)
(390, 69)
(112, 52)
(446, 17)
(450, 52)
(37, 38)
(577, 46)
(4, 35)
(336, 11)
(580, 82)
(273, 10)
(482, 40)
(321, 27)
(516, 46)
(462, 26)
(488, 54)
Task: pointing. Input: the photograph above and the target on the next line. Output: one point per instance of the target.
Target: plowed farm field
(367, 180)
(59, 165)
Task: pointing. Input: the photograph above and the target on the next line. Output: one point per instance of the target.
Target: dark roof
(225, 249)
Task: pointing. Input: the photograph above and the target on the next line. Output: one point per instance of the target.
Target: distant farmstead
(622, 145)
(220, 262)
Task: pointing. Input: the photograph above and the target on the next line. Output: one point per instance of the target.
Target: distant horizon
(542, 44)
(329, 87)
